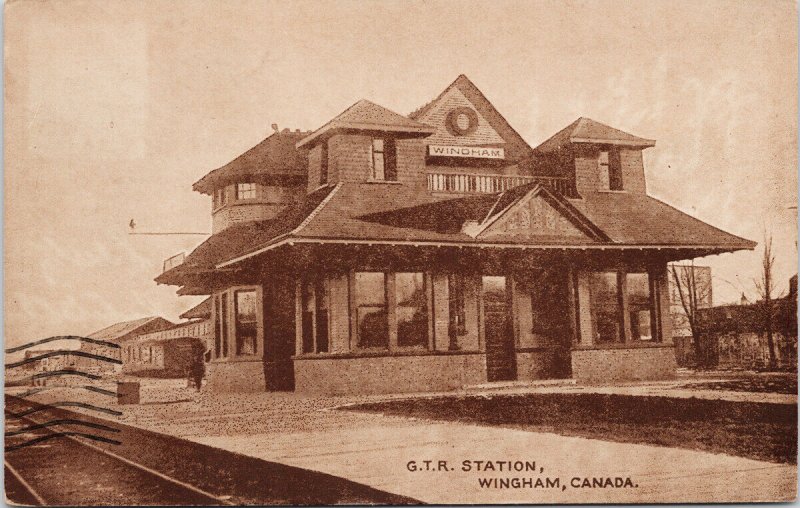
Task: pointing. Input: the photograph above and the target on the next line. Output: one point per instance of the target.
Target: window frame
(251, 191)
(357, 308)
(388, 156)
(236, 321)
(310, 290)
(225, 323)
(610, 170)
(392, 316)
(651, 304)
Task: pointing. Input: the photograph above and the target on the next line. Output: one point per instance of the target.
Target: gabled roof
(368, 116)
(516, 147)
(274, 157)
(511, 199)
(120, 330)
(200, 311)
(384, 213)
(586, 130)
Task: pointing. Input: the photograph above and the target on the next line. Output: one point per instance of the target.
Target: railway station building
(395, 253)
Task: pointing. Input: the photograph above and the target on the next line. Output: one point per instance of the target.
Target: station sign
(478, 152)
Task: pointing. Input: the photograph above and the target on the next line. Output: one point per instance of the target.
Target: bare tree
(766, 305)
(694, 293)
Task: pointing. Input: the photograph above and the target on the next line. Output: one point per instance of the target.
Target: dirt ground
(760, 431)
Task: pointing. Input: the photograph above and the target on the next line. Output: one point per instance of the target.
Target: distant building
(118, 333)
(168, 352)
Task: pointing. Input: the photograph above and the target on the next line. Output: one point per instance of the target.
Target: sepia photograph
(400, 252)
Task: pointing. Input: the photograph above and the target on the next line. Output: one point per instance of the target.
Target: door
(498, 330)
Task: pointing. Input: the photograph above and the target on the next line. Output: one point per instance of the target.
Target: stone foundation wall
(542, 364)
(634, 363)
(388, 374)
(235, 376)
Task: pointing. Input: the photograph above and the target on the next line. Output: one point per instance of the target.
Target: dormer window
(384, 160)
(610, 170)
(245, 191)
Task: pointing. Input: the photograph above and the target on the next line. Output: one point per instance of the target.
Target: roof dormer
(604, 159)
(366, 143)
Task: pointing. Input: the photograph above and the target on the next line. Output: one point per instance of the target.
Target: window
(220, 197)
(245, 191)
(315, 316)
(217, 328)
(384, 160)
(640, 306)
(371, 316)
(224, 324)
(246, 328)
(411, 309)
(323, 164)
(610, 168)
(457, 308)
(606, 307)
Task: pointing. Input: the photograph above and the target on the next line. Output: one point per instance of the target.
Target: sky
(113, 109)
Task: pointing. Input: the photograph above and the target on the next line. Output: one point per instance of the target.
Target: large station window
(217, 327)
(411, 309)
(371, 311)
(315, 316)
(606, 307)
(246, 321)
(640, 306)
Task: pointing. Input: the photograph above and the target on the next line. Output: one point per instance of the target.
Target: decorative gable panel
(453, 117)
(533, 216)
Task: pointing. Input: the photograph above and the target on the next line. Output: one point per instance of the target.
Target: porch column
(585, 334)
(661, 276)
(441, 312)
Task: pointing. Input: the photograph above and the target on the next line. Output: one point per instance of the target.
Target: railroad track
(48, 465)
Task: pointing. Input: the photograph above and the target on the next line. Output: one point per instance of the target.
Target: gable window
(245, 191)
(371, 312)
(411, 309)
(246, 328)
(384, 160)
(610, 168)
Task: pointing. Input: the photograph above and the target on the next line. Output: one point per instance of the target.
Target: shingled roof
(370, 212)
(200, 311)
(242, 237)
(366, 116)
(275, 157)
(123, 329)
(586, 130)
